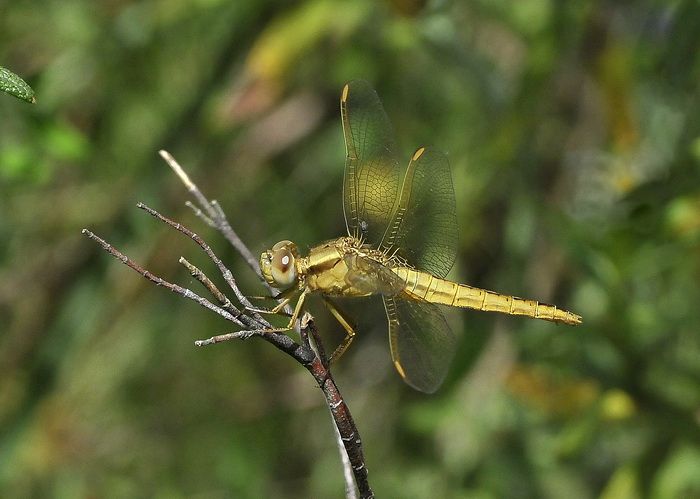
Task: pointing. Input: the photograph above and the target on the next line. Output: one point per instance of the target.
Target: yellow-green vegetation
(574, 146)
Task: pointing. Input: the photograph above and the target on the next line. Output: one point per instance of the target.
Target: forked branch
(253, 324)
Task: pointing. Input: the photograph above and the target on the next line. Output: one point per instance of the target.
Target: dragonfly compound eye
(282, 265)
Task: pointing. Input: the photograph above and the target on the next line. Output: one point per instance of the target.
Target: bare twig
(259, 327)
(350, 491)
(225, 272)
(217, 218)
(253, 324)
(236, 319)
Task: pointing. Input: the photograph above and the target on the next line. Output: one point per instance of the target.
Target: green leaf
(14, 85)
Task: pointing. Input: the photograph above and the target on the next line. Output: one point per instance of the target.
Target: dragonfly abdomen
(423, 286)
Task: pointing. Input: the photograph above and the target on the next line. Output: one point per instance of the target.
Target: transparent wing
(424, 228)
(372, 171)
(422, 343)
(370, 276)
(409, 211)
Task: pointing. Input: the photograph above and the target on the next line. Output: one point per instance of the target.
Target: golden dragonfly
(401, 243)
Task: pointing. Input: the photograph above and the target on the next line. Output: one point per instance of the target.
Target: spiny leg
(295, 314)
(297, 309)
(286, 297)
(348, 324)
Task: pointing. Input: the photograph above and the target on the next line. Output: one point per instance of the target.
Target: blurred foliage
(575, 147)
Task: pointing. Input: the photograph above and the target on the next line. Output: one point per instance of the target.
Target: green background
(573, 134)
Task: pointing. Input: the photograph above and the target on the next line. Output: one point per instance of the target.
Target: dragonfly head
(278, 265)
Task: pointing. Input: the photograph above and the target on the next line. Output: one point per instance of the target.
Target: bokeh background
(573, 134)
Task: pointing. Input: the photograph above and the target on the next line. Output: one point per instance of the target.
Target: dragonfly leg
(348, 324)
(286, 296)
(278, 309)
(297, 309)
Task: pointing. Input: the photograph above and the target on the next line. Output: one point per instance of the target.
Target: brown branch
(236, 319)
(253, 324)
(344, 422)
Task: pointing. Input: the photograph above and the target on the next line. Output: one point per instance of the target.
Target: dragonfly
(401, 242)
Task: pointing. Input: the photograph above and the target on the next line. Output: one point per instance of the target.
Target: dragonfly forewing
(372, 170)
